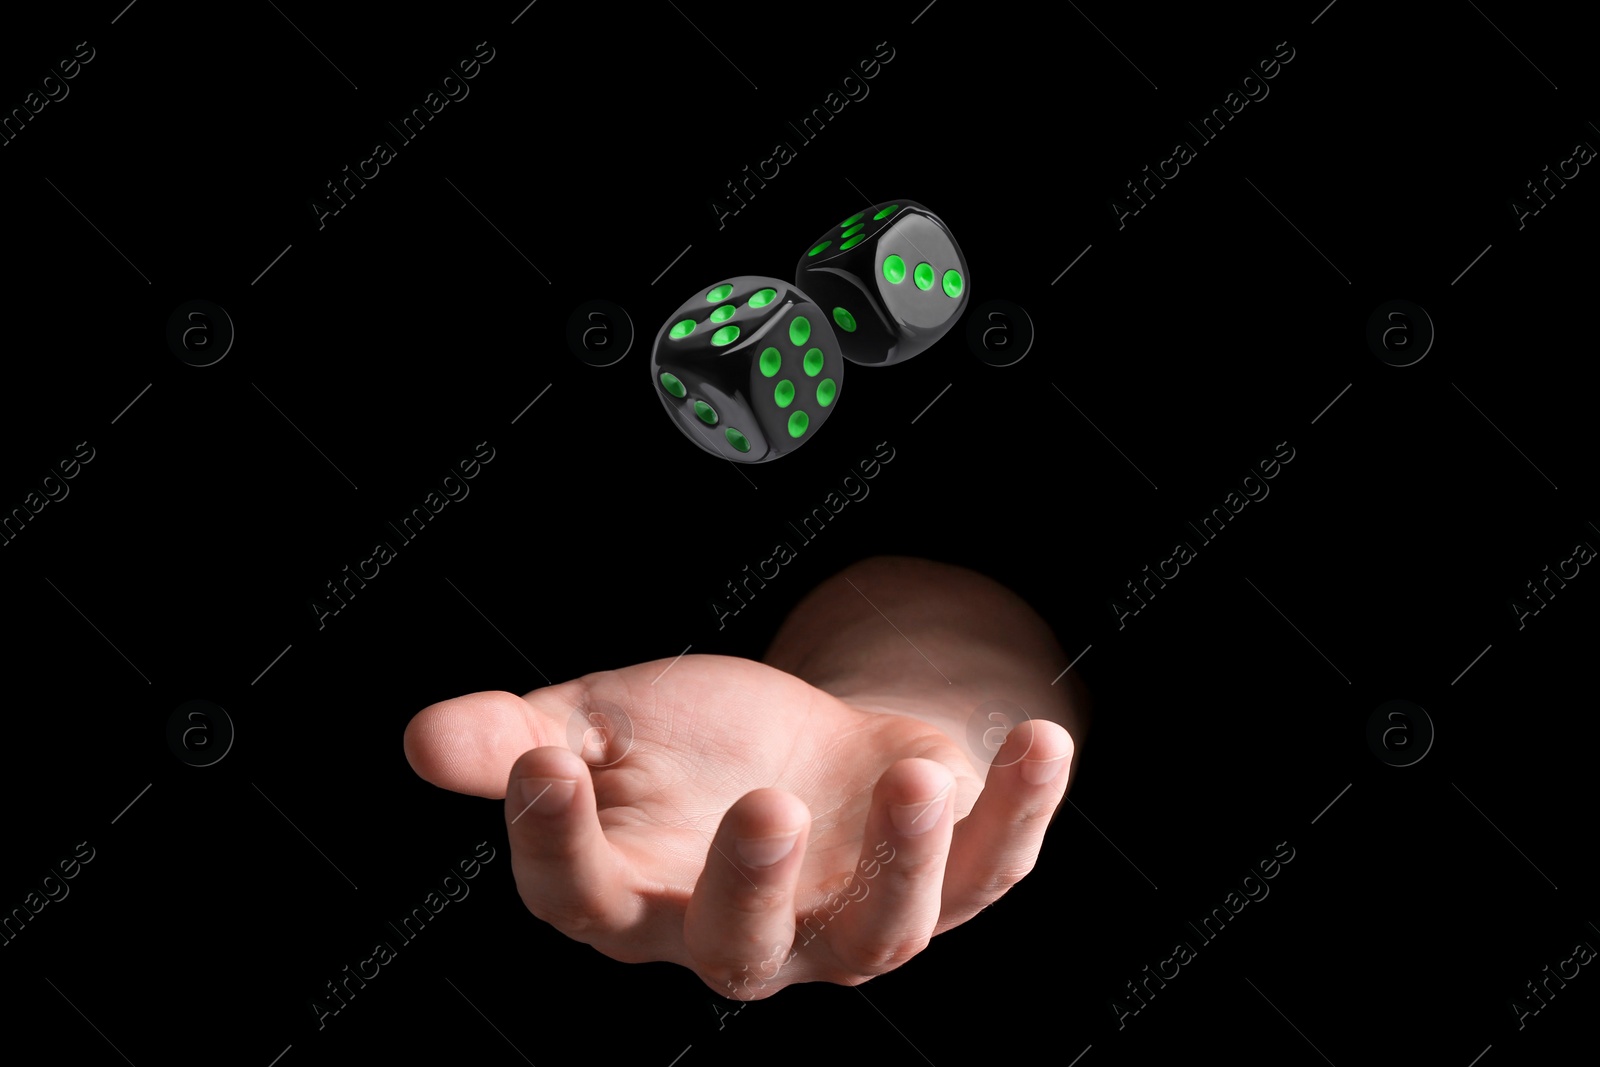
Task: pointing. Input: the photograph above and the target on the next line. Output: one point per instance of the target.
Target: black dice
(748, 368)
(891, 278)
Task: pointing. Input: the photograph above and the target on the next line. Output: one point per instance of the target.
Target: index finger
(998, 842)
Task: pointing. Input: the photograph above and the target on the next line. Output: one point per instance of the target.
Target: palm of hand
(726, 727)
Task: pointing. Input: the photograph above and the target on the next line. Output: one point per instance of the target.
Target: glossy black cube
(748, 368)
(892, 279)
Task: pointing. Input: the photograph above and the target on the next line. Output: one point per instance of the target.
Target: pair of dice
(750, 368)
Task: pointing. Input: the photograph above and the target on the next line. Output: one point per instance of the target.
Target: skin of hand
(816, 817)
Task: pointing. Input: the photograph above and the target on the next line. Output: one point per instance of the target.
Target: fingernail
(546, 796)
(765, 851)
(1040, 771)
(914, 819)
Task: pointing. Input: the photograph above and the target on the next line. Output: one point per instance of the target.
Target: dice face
(749, 368)
(892, 279)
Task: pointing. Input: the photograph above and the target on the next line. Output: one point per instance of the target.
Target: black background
(381, 348)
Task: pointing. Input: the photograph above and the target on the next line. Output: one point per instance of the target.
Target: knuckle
(1004, 877)
(909, 870)
(580, 920)
(741, 987)
(625, 952)
(556, 853)
(737, 981)
(756, 900)
(1030, 820)
(745, 960)
(878, 957)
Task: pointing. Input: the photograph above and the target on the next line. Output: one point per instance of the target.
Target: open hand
(727, 816)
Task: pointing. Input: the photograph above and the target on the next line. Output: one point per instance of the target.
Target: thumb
(469, 744)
